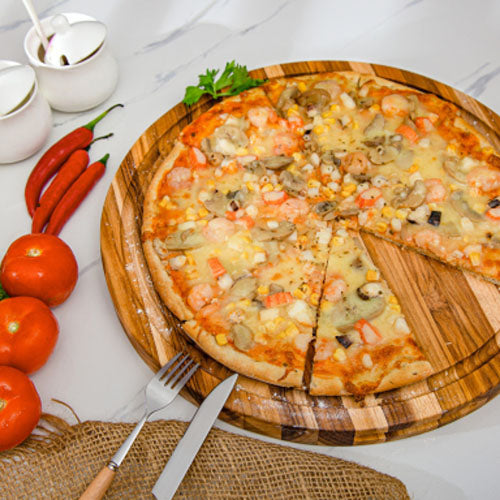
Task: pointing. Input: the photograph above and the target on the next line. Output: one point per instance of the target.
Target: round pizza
(251, 225)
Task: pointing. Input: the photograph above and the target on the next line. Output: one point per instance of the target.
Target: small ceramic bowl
(77, 87)
(24, 131)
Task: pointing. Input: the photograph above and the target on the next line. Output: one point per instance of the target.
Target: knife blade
(185, 452)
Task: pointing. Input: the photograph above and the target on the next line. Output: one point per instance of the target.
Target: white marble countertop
(161, 47)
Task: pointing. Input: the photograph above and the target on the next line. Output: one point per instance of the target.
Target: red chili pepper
(68, 174)
(75, 195)
(55, 156)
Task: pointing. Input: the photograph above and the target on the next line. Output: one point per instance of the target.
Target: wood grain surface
(455, 315)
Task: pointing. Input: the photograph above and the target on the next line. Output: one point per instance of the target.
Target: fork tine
(186, 377)
(165, 367)
(173, 380)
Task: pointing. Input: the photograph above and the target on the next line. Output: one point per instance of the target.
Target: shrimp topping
(199, 296)
(395, 105)
(219, 230)
(324, 350)
(258, 117)
(435, 190)
(484, 178)
(356, 163)
(179, 178)
(285, 143)
(335, 289)
(429, 239)
(293, 208)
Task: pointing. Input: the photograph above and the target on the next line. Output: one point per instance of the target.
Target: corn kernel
(330, 121)
(297, 156)
(326, 114)
(314, 299)
(303, 239)
(202, 212)
(221, 339)
(318, 129)
(396, 307)
(388, 212)
(400, 214)
(203, 222)
(372, 275)
(211, 183)
(231, 306)
(334, 107)
(244, 255)
(291, 111)
(355, 125)
(192, 275)
(302, 86)
(339, 354)
(478, 207)
(250, 186)
(475, 258)
(312, 183)
(291, 329)
(413, 168)
(298, 293)
(244, 303)
(278, 187)
(392, 300)
(263, 290)
(488, 151)
(454, 187)
(189, 258)
(326, 306)
(374, 108)
(164, 201)
(349, 188)
(338, 241)
(381, 227)
(278, 320)
(267, 187)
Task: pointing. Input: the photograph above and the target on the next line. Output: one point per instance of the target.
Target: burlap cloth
(63, 461)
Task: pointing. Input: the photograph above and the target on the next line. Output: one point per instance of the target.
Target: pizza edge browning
(394, 379)
(241, 362)
(164, 284)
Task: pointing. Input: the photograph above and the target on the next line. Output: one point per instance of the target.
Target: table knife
(191, 442)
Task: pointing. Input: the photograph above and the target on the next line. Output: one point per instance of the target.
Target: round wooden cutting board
(456, 317)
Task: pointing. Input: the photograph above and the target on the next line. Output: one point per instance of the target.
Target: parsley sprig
(235, 79)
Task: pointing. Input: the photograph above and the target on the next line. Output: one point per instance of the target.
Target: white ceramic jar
(76, 87)
(24, 131)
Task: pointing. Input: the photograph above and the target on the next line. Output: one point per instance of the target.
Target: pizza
(251, 225)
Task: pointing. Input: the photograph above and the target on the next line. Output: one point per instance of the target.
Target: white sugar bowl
(74, 87)
(25, 116)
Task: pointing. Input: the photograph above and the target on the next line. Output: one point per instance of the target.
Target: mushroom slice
(284, 229)
(383, 154)
(346, 313)
(462, 206)
(226, 139)
(184, 240)
(405, 159)
(410, 198)
(451, 166)
(244, 288)
(242, 337)
(330, 158)
(276, 162)
(376, 126)
(256, 167)
(217, 204)
(331, 86)
(314, 99)
(369, 290)
(292, 184)
(287, 98)
(376, 141)
(326, 209)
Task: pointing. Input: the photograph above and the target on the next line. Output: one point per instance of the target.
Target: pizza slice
(363, 342)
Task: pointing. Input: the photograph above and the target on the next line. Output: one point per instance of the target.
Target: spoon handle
(38, 27)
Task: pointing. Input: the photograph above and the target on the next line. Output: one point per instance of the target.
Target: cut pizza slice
(363, 342)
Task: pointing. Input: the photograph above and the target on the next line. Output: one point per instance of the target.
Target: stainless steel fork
(160, 392)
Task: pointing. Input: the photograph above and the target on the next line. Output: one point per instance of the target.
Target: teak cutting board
(455, 316)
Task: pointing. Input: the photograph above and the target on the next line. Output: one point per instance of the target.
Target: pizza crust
(240, 362)
(163, 282)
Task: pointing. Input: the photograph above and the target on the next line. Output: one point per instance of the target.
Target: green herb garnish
(234, 76)
(3, 293)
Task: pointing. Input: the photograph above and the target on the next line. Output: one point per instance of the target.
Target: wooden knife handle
(98, 487)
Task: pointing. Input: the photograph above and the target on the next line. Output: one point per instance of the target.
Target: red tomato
(20, 407)
(28, 333)
(41, 266)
